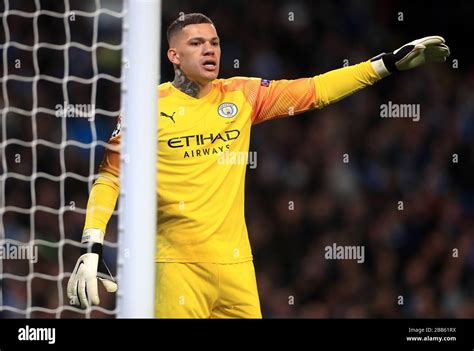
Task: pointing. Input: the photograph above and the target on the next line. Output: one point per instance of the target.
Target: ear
(173, 56)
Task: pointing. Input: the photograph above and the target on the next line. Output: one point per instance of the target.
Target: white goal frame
(138, 176)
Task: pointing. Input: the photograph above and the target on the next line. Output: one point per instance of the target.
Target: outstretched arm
(280, 98)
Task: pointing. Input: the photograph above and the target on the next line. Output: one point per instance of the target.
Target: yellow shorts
(206, 290)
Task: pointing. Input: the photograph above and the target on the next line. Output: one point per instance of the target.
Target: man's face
(196, 50)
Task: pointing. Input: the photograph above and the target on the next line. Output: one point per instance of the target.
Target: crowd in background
(402, 189)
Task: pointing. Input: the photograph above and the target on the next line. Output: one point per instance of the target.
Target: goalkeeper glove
(411, 55)
(82, 286)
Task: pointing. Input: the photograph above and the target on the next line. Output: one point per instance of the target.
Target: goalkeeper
(204, 265)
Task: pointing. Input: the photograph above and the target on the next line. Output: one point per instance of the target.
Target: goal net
(61, 82)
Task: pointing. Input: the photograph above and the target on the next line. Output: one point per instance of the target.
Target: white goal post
(62, 87)
(137, 213)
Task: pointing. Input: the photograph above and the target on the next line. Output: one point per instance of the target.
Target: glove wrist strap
(379, 67)
(93, 235)
(94, 238)
(93, 248)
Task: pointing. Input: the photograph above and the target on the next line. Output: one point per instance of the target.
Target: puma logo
(167, 115)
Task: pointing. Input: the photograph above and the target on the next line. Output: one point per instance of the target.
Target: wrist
(379, 66)
(93, 235)
(94, 240)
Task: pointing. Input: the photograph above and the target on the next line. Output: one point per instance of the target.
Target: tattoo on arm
(185, 84)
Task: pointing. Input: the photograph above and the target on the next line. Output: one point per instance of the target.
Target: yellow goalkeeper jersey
(203, 144)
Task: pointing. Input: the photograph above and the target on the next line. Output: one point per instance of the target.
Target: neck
(188, 86)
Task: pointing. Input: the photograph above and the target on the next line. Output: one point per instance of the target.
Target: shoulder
(164, 89)
(237, 83)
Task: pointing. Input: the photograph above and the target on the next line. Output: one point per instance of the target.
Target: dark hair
(184, 20)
